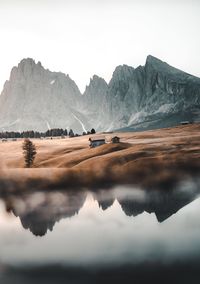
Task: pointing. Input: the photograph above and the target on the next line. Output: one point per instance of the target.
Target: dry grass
(151, 158)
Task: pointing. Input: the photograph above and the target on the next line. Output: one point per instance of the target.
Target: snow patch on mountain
(81, 123)
(48, 125)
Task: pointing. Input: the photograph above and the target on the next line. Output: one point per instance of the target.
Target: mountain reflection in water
(120, 233)
(40, 211)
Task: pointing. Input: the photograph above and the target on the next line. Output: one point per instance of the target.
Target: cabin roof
(97, 138)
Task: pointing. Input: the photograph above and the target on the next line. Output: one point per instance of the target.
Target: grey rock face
(35, 98)
(152, 96)
(93, 100)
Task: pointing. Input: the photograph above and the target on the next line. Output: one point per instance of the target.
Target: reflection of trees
(39, 212)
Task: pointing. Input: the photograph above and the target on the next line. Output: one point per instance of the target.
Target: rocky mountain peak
(164, 68)
(153, 60)
(154, 95)
(38, 99)
(157, 64)
(27, 61)
(96, 83)
(96, 79)
(122, 73)
(26, 68)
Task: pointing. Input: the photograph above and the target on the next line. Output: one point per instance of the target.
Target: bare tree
(29, 151)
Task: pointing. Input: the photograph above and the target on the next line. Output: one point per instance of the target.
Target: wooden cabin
(96, 141)
(115, 139)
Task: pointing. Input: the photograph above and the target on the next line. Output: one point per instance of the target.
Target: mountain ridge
(36, 98)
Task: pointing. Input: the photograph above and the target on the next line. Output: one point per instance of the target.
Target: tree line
(55, 132)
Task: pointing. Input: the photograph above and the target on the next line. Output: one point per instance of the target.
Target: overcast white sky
(87, 37)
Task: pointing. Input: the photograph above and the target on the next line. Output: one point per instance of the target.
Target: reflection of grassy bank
(148, 173)
(150, 159)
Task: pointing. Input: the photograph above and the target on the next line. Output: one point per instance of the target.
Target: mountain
(152, 96)
(41, 216)
(93, 100)
(35, 98)
(163, 205)
(155, 95)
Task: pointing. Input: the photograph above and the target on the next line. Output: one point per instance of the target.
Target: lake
(119, 235)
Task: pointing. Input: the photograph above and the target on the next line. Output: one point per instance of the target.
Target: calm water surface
(124, 235)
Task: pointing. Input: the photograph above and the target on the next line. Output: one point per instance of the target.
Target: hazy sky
(87, 37)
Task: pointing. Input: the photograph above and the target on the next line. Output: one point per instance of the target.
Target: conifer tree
(71, 133)
(29, 151)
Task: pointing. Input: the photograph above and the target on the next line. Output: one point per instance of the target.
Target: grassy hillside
(147, 158)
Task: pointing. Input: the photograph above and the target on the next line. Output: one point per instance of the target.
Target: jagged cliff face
(124, 96)
(150, 96)
(155, 95)
(35, 98)
(93, 100)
